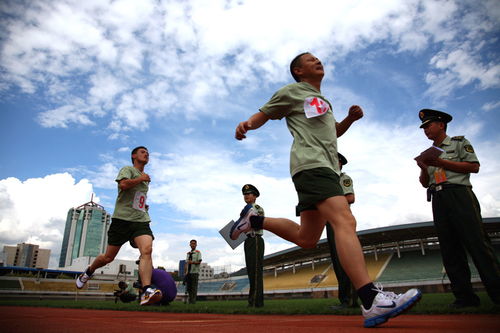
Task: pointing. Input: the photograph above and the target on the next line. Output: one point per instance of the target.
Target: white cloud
(35, 210)
(491, 106)
(488, 194)
(66, 115)
(137, 60)
(105, 86)
(104, 177)
(459, 67)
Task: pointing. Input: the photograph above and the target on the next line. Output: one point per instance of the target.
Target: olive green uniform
(254, 260)
(458, 222)
(131, 204)
(314, 135)
(347, 293)
(193, 272)
(130, 218)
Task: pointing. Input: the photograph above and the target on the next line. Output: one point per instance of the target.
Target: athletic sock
(144, 288)
(367, 294)
(257, 222)
(88, 272)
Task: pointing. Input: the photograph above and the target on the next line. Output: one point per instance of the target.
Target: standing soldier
(347, 292)
(254, 251)
(192, 271)
(457, 215)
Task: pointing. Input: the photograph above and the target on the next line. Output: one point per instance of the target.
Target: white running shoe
(82, 279)
(389, 305)
(151, 296)
(243, 223)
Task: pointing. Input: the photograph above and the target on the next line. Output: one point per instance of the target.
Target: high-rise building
(26, 255)
(85, 234)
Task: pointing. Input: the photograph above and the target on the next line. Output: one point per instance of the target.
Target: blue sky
(81, 84)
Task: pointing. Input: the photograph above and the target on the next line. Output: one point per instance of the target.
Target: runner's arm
(254, 122)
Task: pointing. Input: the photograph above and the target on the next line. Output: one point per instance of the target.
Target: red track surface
(41, 320)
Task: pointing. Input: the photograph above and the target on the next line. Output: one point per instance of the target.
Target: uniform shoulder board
(458, 138)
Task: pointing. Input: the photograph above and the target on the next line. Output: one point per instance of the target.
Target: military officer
(254, 251)
(456, 211)
(346, 293)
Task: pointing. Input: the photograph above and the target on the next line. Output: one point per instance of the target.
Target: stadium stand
(413, 266)
(65, 285)
(397, 256)
(30, 283)
(228, 285)
(299, 278)
(11, 284)
(321, 276)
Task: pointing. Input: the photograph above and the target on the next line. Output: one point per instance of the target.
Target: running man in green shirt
(314, 168)
(130, 223)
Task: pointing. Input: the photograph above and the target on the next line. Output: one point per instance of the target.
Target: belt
(433, 188)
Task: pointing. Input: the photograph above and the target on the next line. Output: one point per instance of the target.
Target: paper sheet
(225, 234)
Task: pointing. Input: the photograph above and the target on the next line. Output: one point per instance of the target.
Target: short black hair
(193, 240)
(296, 63)
(135, 151)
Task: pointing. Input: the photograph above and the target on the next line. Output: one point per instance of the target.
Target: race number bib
(139, 201)
(314, 107)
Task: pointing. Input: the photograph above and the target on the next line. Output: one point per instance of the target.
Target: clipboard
(225, 234)
(429, 154)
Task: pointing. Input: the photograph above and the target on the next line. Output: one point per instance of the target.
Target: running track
(41, 320)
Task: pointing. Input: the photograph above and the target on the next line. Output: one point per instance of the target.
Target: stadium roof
(372, 239)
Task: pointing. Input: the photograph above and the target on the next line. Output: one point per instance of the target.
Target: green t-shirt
(346, 184)
(310, 119)
(131, 204)
(195, 256)
(457, 149)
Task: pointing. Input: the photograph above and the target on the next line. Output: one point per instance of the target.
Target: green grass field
(430, 304)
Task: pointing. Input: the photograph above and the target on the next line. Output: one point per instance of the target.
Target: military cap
(342, 159)
(429, 115)
(249, 188)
